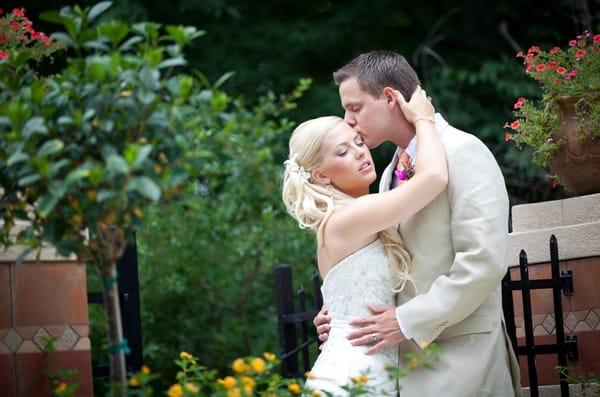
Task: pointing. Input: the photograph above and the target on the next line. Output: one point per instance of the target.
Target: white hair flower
(293, 166)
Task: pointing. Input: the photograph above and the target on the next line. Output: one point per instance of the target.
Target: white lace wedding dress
(361, 279)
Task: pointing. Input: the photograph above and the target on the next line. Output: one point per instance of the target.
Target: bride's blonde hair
(311, 204)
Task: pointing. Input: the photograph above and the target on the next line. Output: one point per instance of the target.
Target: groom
(457, 243)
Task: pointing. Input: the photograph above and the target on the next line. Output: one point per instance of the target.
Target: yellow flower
(247, 381)
(228, 382)
(175, 391)
(360, 380)
(269, 356)
(423, 345)
(309, 375)
(145, 369)
(62, 386)
(294, 388)
(239, 366)
(124, 94)
(258, 365)
(316, 394)
(191, 387)
(234, 393)
(134, 382)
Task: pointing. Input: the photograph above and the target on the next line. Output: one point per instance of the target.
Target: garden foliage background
(206, 264)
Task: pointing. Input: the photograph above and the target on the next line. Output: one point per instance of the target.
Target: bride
(360, 255)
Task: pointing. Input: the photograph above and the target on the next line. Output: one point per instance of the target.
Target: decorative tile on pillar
(549, 323)
(41, 338)
(571, 322)
(582, 326)
(4, 349)
(13, 340)
(539, 331)
(69, 338)
(592, 320)
(28, 347)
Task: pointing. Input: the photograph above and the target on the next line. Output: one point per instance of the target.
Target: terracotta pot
(40, 300)
(577, 163)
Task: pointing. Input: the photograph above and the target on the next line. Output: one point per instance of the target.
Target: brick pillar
(576, 224)
(45, 299)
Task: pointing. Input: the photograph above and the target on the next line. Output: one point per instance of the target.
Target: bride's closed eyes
(343, 149)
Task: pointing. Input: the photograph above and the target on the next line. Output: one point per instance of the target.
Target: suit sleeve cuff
(402, 329)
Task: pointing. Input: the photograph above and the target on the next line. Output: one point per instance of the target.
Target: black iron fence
(560, 283)
(294, 323)
(294, 339)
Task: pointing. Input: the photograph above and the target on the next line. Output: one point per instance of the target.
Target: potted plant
(84, 151)
(563, 127)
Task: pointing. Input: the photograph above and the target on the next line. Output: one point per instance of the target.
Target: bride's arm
(376, 212)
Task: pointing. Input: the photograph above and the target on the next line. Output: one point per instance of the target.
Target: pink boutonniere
(407, 172)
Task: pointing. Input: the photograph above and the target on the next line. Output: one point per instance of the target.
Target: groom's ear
(390, 96)
(320, 178)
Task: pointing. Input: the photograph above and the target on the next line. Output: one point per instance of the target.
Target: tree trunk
(118, 371)
(108, 246)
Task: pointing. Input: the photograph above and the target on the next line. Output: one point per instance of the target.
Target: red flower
(554, 50)
(533, 49)
(47, 40)
(597, 39)
(15, 25)
(22, 37)
(36, 35)
(561, 70)
(519, 103)
(552, 65)
(515, 124)
(3, 54)
(520, 53)
(507, 137)
(2, 39)
(579, 54)
(572, 43)
(529, 55)
(554, 183)
(540, 68)
(557, 81)
(1, 11)
(20, 12)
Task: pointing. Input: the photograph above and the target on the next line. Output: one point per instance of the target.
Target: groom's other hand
(322, 321)
(378, 331)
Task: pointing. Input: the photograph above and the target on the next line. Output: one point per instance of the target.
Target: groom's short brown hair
(378, 69)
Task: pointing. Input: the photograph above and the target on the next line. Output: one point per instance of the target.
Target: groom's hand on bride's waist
(378, 331)
(322, 321)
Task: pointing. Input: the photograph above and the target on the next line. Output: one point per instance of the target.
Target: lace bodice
(362, 278)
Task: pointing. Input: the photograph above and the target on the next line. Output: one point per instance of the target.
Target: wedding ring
(374, 338)
(429, 98)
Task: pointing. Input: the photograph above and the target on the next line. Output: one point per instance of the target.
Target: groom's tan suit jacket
(458, 248)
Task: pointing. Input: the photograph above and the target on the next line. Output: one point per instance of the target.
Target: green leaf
(105, 194)
(145, 186)
(129, 43)
(50, 147)
(179, 61)
(76, 175)
(114, 31)
(29, 179)
(223, 79)
(65, 38)
(98, 9)
(46, 204)
(34, 125)
(55, 167)
(16, 157)
(116, 164)
(142, 155)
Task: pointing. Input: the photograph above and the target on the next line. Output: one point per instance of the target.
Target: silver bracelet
(424, 119)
